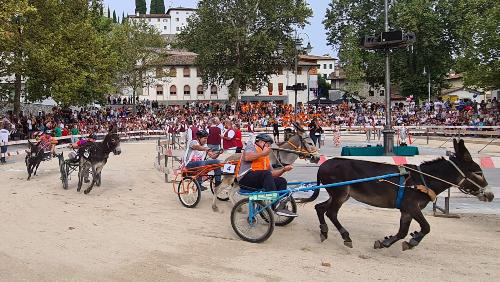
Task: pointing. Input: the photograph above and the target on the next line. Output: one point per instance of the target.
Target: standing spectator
(228, 139)
(74, 132)
(4, 139)
(312, 130)
(276, 131)
(319, 134)
(191, 131)
(336, 136)
(237, 136)
(214, 136)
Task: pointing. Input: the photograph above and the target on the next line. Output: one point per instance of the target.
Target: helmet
(264, 137)
(201, 133)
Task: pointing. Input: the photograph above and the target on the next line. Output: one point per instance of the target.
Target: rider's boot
(282, 210)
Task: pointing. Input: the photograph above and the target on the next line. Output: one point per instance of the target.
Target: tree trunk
(234, 90)
(17, 94)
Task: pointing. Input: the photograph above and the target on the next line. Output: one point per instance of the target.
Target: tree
(323, 86)
(475, 23)
(348, 19)
(123, 17)
(114, 17)
(109, 13)
(152, 7)
(236, 41)
(160, 6)
(140, 6)
(140, 51)
(12, 26)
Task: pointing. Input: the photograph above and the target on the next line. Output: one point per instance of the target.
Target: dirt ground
(133, 228)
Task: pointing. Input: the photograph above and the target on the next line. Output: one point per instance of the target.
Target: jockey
(80, 143)
(47, 142)
(196, 152)
(255, 172)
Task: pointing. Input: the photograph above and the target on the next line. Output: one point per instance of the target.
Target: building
(367, 92)
(170, 23)
(178, 81)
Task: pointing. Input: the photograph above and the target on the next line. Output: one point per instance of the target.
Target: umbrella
(321, 101)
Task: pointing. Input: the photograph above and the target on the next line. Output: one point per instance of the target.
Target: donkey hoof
(406, 246)
(86, 192)
(378, 245)
(323, 237)
(348, 244)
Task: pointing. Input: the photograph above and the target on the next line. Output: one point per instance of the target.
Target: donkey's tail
(313, 197)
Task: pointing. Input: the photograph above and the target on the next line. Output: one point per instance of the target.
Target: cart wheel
(189, 192)
(290, 205)
(223, 194)
(256, 229)
(64, 174)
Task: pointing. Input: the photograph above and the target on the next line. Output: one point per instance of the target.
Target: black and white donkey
(93, 156)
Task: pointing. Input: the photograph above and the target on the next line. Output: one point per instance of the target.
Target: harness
(301, 150)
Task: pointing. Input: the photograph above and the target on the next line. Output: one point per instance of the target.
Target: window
(324, 76)
(198, 73)
(173, 90)
(173, 72)
(187, 90)
(280, 88)
(213, 90)
(164, 27)
(176, 19)
(299, 71)
(164, 20)
(159, 72)
(158, 20)
(199, 90)
(186, 72)
(324, 66)
(159, 90)
(371, 92)
(280, 71)
(382, 92)
(331, 66)
(270, 88)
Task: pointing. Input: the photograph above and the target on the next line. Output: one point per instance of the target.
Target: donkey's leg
(226, 181)
(339, 197)
(81, 172)
(417, 236)
(321, 209)
(404, 225)
(94, 176)
(36, 167)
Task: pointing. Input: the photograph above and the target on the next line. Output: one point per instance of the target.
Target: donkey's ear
(455, 146)
(464, 152)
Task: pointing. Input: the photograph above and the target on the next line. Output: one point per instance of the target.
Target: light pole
(388, 131)
(428, 85)
(298, 50)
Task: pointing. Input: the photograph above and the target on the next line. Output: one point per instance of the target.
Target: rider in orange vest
(255, 171)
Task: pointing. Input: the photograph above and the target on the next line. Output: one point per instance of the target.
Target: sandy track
(134, 228)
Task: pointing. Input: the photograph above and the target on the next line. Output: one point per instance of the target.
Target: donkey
(94, 156)
(431, 178)
(284, 153)
(34, 156)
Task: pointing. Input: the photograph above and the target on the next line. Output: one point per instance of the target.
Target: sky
(315, 30)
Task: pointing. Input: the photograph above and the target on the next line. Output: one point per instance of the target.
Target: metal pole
(429, 87)
(296, 69)
(388, 131)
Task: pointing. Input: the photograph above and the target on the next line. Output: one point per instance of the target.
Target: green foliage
(236, 40)
(123, 17)
(109, 13)
(352, 60)
(114, 17)
(140, 51)
(140, 6)
(323, 86)
(434, 49)
(476, 25)
(152, 7)
(160, 6)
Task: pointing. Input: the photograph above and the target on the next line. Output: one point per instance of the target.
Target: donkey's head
(471, 180)
(112, 141)
(303, 143)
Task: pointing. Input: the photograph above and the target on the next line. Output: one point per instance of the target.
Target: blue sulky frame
(276, 196)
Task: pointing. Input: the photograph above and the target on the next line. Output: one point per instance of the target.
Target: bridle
(459, 185)
(300, 150)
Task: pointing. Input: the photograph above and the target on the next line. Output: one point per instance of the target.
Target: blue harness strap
(401, 189)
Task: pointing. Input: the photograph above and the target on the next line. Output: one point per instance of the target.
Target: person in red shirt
(237, 137)
(228, 139)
